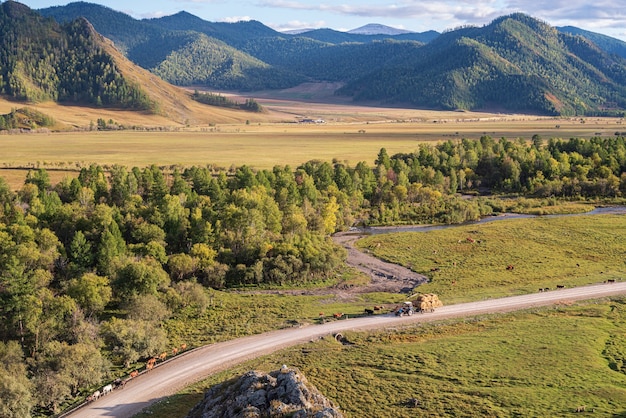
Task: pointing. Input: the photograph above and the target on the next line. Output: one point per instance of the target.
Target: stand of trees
(92, 266)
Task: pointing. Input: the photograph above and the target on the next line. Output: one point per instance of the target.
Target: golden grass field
(225, 137)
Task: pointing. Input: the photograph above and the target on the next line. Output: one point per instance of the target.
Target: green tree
(91, 292)
(16, 400)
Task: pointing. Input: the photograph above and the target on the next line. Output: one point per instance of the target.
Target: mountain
(234, 34)
(607, 43)
(337, 37)
(516, 63)
(377, 29)
(41, 60)
(184, 49)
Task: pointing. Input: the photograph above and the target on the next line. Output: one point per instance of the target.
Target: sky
(602, 16)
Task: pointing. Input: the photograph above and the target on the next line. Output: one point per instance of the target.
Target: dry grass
(189, 133)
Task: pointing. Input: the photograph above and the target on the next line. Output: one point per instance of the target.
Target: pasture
(470, 262)
(350, 134)
(540, 362)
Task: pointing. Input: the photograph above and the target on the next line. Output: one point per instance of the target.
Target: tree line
(92, 267)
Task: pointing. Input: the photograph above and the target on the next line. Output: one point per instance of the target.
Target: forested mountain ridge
(42, 60)
(516, 63)
(184, 49)
(610, 45)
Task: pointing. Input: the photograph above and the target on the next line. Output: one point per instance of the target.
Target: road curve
(197, 364)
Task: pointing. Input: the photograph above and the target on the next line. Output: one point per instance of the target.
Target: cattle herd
(120, 383)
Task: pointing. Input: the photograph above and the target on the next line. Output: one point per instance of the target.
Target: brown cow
(134, 373)
(337, 315)
(183, 347)
(150, 363)
(163, 356)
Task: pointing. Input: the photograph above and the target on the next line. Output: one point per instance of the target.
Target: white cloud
(596, 14)
(235, 19)
(296, 25)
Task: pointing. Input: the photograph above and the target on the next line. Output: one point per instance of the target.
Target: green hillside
(516, 63)
(610, 45)
(41, 60)
(184, 49)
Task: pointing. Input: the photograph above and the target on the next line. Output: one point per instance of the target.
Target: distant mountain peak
(377, 29)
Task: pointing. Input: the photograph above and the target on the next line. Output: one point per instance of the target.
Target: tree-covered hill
(184, 49)
(516, 63)
(610, 45)
(42, 60)
(337, 37)
(208, 61)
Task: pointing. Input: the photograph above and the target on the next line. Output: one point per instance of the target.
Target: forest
(41, 60)
(91, 268)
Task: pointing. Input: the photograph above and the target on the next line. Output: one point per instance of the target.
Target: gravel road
(197, 364)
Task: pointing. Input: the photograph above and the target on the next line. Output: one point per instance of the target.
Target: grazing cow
(150, 363)
(174, 351)
(610, 281)
(470, 239)
(337, 315)
(369, 311)
(94, 396)
(107, 389)
(134, 373)
(541, 289)
(183, 347)
(117, 383)
(580, 408)
(379, 307)
(163, 356)
(510, 267)
(560, 286)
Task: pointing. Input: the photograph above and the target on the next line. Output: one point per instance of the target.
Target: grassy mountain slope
(516, 63)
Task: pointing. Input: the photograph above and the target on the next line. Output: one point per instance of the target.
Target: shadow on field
(620, 415)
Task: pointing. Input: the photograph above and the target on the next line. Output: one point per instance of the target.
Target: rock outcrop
(281, 393)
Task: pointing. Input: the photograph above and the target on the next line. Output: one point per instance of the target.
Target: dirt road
(386, 277)
(195, 365)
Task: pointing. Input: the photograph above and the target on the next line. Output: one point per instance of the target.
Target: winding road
(195, 365)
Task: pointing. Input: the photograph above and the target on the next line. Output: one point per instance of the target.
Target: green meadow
(509, 257)
(538, 363)
(543, 362)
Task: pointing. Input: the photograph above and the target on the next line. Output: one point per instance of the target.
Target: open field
(224, 137)
(540, 362)
(267, 144)
(544, 363)
(471, 262)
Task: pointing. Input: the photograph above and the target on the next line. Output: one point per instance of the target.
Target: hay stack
(428, 302)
